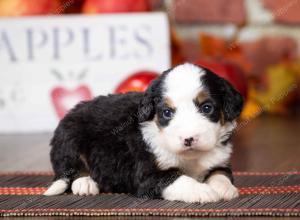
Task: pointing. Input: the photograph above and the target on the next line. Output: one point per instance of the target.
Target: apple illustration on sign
(137, 82)
(63, 98)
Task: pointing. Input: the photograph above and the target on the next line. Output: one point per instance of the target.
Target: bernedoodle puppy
(170, 142)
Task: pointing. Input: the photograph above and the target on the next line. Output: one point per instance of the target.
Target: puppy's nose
(188, 141)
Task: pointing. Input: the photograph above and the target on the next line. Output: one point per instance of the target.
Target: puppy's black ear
(152, 96)
(146, 109)
(232, 101)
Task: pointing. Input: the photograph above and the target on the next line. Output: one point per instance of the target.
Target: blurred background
(55, 53)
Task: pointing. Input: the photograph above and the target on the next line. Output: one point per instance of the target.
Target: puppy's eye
(167, 114)
(207, 108)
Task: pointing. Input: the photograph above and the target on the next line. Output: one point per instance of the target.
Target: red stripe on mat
(269, 190)
(21, 173)
(162, 210)
(242, 190)
(22, 190)
(237, 173)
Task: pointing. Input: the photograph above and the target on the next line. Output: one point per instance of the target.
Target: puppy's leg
(188, 189)
(85, 186)
(66, 163)
(221, 182)
(172, 185)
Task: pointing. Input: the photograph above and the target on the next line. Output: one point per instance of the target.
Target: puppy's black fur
(227, 99)
(105, 134)
(118, 161)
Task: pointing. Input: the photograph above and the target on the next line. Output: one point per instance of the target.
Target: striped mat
(261, 194)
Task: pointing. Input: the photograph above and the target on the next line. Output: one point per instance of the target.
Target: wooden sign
(48, 64)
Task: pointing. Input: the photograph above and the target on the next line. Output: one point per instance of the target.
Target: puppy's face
(188, 110)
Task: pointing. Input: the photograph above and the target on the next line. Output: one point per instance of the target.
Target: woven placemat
(261, 194)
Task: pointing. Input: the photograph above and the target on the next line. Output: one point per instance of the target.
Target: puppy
(170, 142)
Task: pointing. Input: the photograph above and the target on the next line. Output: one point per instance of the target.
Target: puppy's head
(189, 109)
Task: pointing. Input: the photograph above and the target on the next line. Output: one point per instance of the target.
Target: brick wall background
(268, 29)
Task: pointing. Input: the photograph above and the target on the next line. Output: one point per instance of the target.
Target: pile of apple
(115, 6)
(44, 7)
(27, 7)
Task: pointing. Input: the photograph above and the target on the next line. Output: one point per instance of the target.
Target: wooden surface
(269, 143)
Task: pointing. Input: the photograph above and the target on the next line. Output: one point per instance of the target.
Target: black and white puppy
(170, 142)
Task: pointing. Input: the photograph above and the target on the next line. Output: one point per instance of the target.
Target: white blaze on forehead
(183, 82)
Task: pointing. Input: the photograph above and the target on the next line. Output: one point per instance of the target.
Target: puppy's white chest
(193, 167)
(166, 160)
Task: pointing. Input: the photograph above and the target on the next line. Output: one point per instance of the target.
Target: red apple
(64, 99)
(115, 6)
(29, 7)
(137, 82)
(228, 71)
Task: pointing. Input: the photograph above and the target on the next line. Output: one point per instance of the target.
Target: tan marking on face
(202, 96)
(169, 103)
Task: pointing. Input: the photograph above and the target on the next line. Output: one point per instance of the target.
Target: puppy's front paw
(85, 186)
(222, 185)
(230, 192)
(187, 189)
(57, 187)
